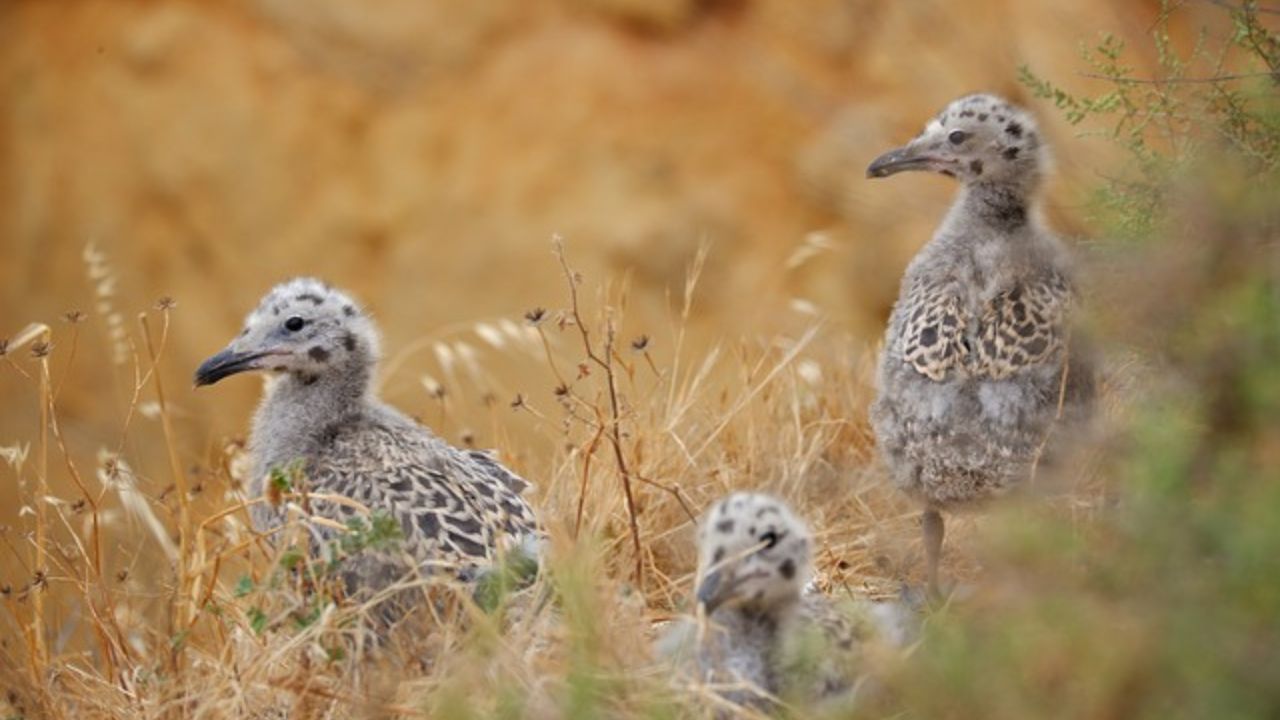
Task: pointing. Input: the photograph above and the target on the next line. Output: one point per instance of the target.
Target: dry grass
(148, 595)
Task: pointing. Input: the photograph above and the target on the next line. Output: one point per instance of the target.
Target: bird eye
(294, 324)
(957, 136)
(769, 539)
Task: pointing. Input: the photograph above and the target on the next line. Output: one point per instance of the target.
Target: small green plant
(1220, 94)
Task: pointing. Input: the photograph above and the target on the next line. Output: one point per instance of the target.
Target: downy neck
(299, 410)
(1004, 206)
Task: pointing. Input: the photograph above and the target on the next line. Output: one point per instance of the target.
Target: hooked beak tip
(224, 364)
(711, 591)
(901, 160)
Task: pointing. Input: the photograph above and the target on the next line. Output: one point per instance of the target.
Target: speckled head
(753, 552)
(978, 138)
(302, 327)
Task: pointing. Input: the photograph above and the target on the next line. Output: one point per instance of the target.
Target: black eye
(769, 539)
(957, 136)
(294, 324)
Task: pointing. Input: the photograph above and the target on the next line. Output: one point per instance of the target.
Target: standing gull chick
(764, 637)
(972, 375)
(456, 508)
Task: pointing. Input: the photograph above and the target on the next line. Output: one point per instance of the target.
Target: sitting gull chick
(456, 508)
(972, 374)
(764, 637)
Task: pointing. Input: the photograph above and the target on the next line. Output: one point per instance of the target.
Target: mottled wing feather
(452, 507)
(933, 340)
(489, 460)
(1023, 326)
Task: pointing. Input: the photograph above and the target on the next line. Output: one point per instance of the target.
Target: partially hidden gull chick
(457, 509)
(762, 637)
(976, 366)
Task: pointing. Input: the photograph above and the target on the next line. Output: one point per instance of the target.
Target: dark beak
(713, 591)
(901, 160)
(226, 363)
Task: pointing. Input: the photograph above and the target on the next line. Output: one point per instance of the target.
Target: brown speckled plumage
(456, 507)
(972, 373)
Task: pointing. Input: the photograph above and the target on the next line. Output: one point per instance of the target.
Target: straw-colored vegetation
(1138, 581)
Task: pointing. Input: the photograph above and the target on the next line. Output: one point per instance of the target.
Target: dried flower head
(4, 346)
(41, 349)
(166, 303)
(518, 402)
(640, 344)
(536, 316)
(74, 316)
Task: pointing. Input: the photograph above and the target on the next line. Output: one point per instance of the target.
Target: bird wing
(453, 509)
(932, 339)
(488, 459)
(1023, 326)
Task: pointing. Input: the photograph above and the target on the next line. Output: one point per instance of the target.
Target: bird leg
(933, 532)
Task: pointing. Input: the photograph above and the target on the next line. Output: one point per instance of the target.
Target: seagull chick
(976, 366)
(765, 638)
(456, 509)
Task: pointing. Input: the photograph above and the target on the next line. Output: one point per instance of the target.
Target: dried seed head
(561, 390)
(166, 303)
(536, 316)
(518, 402)
(640, 343)
(4, 346)
(468, 438)
(41, 350)
(74, 316)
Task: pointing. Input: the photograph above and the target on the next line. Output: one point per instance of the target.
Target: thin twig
(614, 428)
(175, 464)
(1177, 80)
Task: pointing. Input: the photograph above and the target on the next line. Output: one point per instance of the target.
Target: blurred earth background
(423, 153)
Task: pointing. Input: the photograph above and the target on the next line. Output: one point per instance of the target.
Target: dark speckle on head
(725, 526)
(718, 555)
(1014, 129)
(307, 379)
(349, 342)
(1011, 153)
(976, 167)
(787, 568)
(348, 310)
(983, 117)
(318, 354)
(999, 118)
(311, 298)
